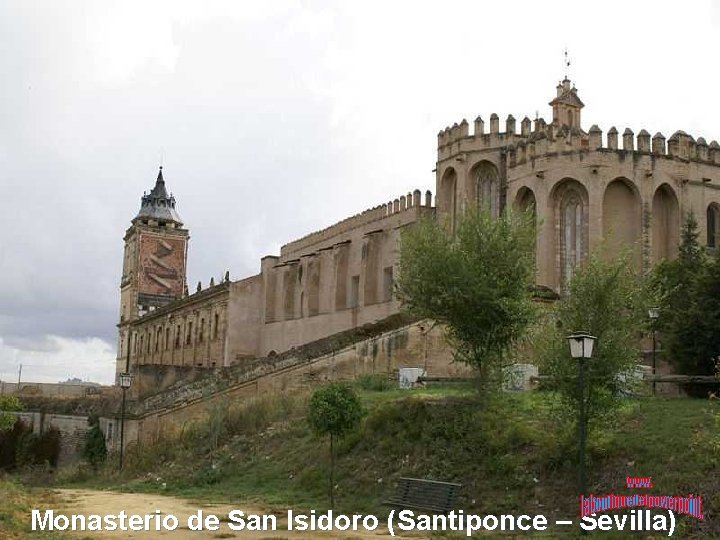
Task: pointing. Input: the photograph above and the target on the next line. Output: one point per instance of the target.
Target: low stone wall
(415, 345)
(72, 432)
(53, 390)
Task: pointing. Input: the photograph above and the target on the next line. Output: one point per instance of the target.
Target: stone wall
(328, 282)
(72, 430)
(55, 390)
(416, 345)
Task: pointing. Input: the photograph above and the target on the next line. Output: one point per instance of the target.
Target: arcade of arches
(574, 217)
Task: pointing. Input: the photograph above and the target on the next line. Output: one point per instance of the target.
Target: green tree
(692, 333)
(478, 282)
(8, 404)
(606, 299)
(94, 450)
(673, 280)
(689, 320)
(335, 410)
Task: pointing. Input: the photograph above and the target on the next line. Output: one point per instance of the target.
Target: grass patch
(17, 503)
(512, 454)
(376, 382)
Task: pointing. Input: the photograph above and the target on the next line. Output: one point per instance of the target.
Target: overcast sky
(274, 119)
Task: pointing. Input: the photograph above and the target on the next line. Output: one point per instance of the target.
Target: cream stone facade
(587, 193)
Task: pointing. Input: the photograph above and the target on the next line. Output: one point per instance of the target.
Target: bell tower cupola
(567, 106)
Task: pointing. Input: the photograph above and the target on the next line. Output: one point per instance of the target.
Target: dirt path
(87, 502)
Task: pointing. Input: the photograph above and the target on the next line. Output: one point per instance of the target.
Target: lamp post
(125, 380)
(581, 347)
(653, 313)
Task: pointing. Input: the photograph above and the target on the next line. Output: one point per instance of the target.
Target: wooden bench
(418, 494)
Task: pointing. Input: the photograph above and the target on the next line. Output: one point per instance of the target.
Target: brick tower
(154, 264)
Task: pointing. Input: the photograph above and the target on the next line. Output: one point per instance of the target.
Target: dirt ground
(88, 502)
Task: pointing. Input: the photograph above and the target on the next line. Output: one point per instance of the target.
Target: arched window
(488, 196)
(572, 231)
(488, 187)
(571, 225)
(713, 225)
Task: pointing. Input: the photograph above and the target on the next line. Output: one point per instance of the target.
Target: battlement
(412, 201)
(679, 146)
(456, 132)
(457, 138)
(537, 138)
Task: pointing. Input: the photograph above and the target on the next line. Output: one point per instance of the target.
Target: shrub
(94, 451)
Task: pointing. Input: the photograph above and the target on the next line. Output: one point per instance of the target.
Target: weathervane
(567, 63)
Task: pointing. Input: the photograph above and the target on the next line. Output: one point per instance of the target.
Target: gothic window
(713, 225)
(488, 188)
(572, 233)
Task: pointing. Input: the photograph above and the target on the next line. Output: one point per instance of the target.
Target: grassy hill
(512, 453)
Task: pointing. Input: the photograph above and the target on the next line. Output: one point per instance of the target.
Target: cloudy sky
(274, 119)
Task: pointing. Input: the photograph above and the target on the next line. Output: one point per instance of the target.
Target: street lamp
(125, 380)
(581, 347)
(653, 313)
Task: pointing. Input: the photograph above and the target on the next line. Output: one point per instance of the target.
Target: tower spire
(159, 205)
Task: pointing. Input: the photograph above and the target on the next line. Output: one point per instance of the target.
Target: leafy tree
(478, 283)
(8, 404)
(334, 410)
(606, 299)
(94, 450)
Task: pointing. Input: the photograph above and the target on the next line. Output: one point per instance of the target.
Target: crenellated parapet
(539, 138)
(457, 139)
(410, 202)
(679, 146)
(457, 132)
